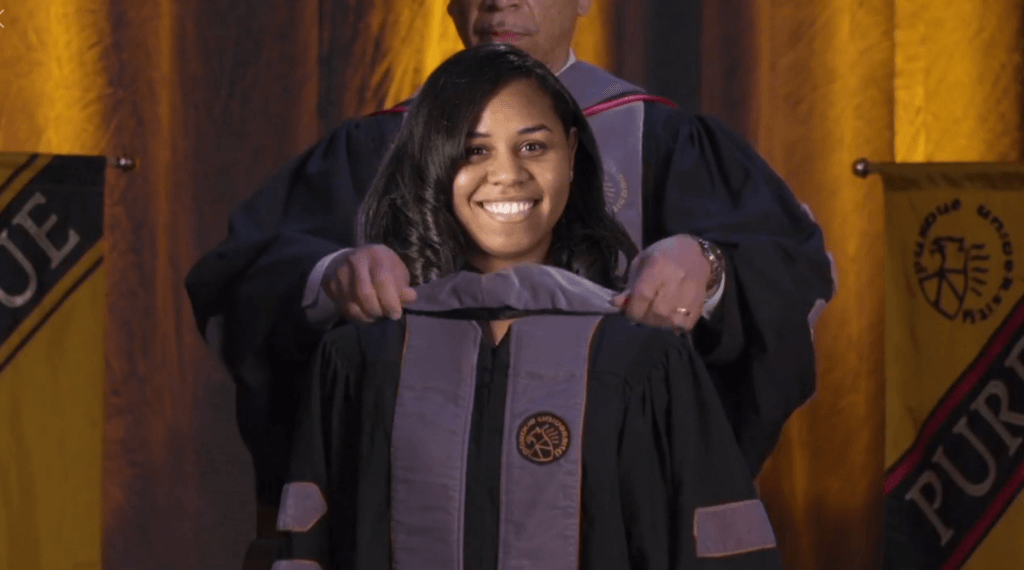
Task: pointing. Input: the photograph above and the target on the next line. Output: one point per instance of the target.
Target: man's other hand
(370, 282)
(667, 285)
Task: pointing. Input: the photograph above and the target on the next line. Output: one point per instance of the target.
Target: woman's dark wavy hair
(409, 207)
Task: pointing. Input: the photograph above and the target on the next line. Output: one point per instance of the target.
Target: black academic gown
(698, 178)
(658, 457)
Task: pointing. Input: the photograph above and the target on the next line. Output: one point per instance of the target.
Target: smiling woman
(570, 437)
(514, 184)
(496, 166)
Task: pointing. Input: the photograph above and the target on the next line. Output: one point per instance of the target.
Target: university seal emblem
(543, 438)
(616, 190)
(963, 260)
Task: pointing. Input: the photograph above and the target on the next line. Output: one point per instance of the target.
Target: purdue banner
(954, 364)
(51, 361)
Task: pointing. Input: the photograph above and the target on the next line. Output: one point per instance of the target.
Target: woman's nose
(506, 168)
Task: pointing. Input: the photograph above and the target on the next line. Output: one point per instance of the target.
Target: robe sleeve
(685, 476)
(758, 344)
(247, 292)
(314, 504)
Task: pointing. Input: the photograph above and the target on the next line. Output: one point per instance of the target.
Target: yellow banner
(954, 363)
(51, 361)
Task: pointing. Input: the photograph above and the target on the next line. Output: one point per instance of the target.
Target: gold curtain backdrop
(821, 84)
(213, 96)
(824, 95)
(958, 80)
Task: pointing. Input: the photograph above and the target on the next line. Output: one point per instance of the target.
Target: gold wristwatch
(716, 261)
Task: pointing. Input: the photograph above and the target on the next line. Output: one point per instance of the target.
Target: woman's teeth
(508, 208)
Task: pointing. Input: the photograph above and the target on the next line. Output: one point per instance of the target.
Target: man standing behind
(727, 251)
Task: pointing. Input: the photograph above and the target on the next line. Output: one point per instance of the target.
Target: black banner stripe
(931, 520)
(68, 189)
(953, 395)
(24, 342)
(979, 533)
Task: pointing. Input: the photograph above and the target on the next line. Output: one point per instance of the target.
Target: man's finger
(649, 283)
(343, 285)
(332, 285)
(408, 295)
(639, 303)
(400, 267)
(352, 313)
(336, 287)
(384, 283)
(691, 295)
(635, 270)
(665, 308)
(365, 295)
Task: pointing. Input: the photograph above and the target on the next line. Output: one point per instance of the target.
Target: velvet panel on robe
(657, 450)
(700, 178)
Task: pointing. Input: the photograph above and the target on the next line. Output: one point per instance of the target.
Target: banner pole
(862, 168)
(124, 163)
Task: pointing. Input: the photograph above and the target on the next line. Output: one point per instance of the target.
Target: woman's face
(514, 184)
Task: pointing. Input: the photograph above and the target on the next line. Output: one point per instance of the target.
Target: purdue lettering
(972, 489)
(930, 510)
(13, 301)
(38, 233)
(998, 388)
(993, 405)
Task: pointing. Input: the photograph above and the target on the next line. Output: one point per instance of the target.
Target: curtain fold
(958, 80)
(730, 69)
(814, 92)
(211, 97)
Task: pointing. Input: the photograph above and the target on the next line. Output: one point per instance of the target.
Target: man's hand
(370, 282)
(667, 285)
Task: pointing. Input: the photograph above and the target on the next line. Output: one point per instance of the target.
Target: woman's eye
(474, 151)
(533, 147)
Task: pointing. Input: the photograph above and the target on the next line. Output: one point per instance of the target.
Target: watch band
(715, 259)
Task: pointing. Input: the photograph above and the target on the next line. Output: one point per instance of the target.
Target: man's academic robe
(579, 441)
(698, 178)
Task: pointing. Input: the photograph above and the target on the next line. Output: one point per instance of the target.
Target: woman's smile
(508, 211)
